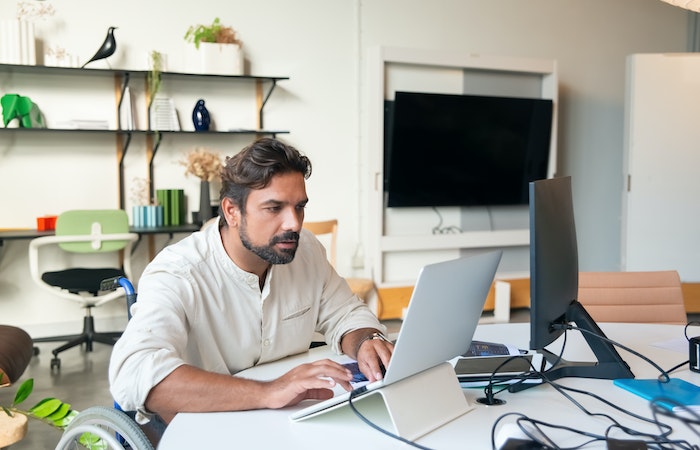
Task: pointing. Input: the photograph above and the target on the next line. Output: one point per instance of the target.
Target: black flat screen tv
(464, 150)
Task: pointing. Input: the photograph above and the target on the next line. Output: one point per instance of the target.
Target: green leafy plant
(215, 32)
(51, 411)
(154, 75)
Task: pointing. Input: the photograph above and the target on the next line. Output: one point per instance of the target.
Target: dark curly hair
(254, 167)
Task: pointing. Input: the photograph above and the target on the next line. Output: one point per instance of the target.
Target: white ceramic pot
(215, 59)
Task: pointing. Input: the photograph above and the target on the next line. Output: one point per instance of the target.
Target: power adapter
(694, 356)
(626, 444)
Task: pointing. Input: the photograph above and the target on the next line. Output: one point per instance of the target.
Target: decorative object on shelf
(59, 57)
(206, 166)
(46, 223)
(154, 75)
(214, 49)
(200, 116)
(163, 115)
(18, 43)
(107, 49)
(144, 213)
(173, 204)
(27, 113)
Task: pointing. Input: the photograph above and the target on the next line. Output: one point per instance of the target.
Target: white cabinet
(661, 199)
(400, 241)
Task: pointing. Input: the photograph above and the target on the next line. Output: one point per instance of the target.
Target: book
(676, 390)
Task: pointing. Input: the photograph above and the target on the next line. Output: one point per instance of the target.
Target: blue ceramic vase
(200, 117)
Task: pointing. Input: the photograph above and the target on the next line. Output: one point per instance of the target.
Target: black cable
(664, 377)
(685, 330)
(438, 229)
(354, 394)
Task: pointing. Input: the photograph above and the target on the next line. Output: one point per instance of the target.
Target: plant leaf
(60, 413)
(92, 442)
(65, 421)
(45, 407)
(8, 412)
(23, 391)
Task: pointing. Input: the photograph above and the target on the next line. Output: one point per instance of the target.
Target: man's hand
(189, 389)
(372, 355)
(308, 381)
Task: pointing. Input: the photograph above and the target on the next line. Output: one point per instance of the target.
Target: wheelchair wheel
(114, 428)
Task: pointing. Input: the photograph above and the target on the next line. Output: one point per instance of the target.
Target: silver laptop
(443, 313)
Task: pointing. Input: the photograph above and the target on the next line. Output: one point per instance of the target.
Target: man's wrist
(370, 337)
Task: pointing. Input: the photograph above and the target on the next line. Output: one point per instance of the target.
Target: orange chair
(647, 297)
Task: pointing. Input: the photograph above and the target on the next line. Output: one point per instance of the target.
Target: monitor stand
(609, 365)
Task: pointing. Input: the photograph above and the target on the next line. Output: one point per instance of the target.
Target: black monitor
(554, 285)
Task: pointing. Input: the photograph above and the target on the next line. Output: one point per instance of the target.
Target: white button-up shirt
(196, 307)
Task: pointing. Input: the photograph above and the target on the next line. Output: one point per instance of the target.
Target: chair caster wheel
(35, 351)
(55, 364)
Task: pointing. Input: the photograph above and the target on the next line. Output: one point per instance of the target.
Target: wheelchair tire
(105, 422)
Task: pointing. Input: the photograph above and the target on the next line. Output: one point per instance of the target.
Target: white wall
(321, 46)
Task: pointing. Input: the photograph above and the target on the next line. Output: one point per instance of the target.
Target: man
(251, 290)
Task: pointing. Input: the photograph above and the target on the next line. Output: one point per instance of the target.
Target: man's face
(273, 217)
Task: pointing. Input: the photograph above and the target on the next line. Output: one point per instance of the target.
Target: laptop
(440, 321)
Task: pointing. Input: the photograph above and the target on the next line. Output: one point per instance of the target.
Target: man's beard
(268, 252)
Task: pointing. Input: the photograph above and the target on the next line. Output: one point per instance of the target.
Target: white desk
(342, 430)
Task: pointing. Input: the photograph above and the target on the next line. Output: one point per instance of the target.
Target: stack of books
(173, 203)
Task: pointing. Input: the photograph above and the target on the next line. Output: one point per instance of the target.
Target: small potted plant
(214, 49)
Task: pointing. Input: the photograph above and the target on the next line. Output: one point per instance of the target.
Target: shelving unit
(393, 69)
(264, 86)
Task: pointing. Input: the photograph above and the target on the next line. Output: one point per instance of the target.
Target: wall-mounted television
(464, 150)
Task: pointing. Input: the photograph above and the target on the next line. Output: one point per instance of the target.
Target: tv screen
(464, 150)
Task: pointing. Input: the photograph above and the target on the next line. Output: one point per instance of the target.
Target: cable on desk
(354, 394)
(664, 377)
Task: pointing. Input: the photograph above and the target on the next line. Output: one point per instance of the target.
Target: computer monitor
(554, 285)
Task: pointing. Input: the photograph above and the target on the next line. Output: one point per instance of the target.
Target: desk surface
(273, 429)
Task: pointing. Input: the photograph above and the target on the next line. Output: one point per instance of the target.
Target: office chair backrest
(326, 227)
(646, 297)
(94, 223)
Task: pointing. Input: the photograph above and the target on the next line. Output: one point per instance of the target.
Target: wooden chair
(362, 287)
(647, 297)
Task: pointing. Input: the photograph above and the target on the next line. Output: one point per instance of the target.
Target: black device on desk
(694, 351)
(554, 286)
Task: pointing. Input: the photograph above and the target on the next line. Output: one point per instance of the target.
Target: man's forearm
(189, 389)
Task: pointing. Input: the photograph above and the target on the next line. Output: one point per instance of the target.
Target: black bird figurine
(107, 49)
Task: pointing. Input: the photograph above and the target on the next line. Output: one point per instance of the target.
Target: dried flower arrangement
(215, 32)
(34, 10)
(203, 164)
(139, 192)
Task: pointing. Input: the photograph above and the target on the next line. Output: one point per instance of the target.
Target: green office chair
(88, 235)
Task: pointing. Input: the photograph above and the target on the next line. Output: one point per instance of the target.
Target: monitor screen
(554, 286)
(553, 258)
(464, 150)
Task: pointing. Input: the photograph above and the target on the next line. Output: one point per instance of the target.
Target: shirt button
(266, 342)
(252, 279)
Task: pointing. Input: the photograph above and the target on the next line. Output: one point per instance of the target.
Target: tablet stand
(418, 404)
